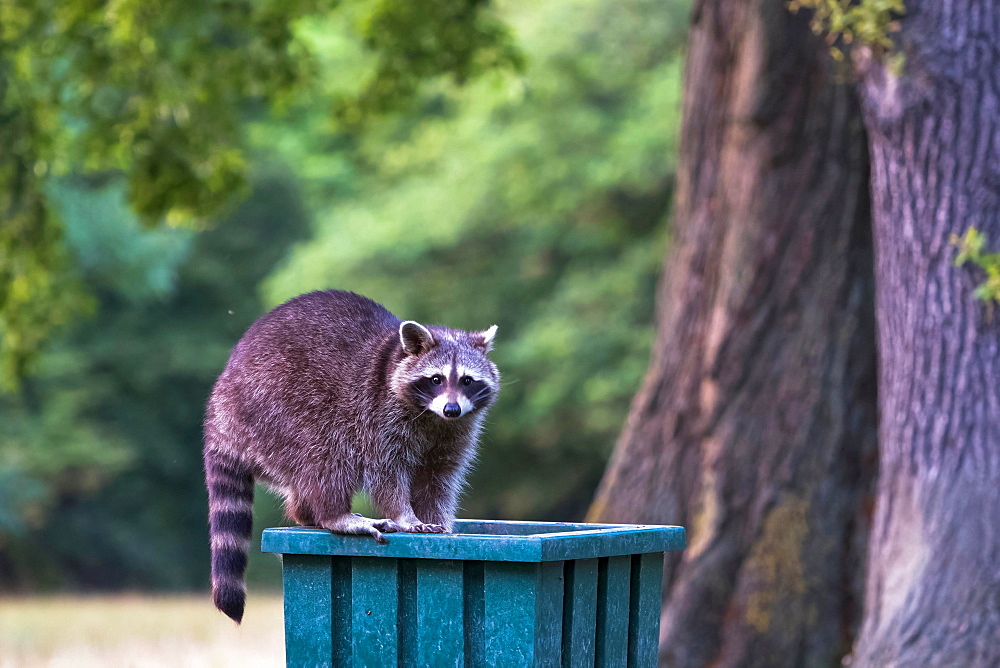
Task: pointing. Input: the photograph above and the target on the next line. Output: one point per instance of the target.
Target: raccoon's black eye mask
(478, 392)
(422, 391)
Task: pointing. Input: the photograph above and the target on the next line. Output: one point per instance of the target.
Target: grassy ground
(112, 631)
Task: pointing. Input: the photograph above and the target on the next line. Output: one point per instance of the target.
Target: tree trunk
(755, 426)
(933, 590)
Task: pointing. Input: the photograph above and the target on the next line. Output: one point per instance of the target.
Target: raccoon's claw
(387, 526)
(428, 528)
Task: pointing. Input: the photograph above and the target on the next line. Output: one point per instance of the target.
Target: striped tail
(230, 518)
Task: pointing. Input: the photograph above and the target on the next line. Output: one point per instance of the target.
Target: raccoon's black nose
(452, 410)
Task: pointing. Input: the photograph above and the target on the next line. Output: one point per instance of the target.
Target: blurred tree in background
(531, 198)
(932, 593)
(755, 427)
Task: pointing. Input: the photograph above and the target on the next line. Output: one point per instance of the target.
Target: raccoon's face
(446, 371)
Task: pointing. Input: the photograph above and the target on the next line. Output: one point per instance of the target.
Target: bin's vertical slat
(340, 613)
(474, 614)
(644, 609)
(510, 590)
(308, 591)
(375, 611)
(440, 637)
(407, 626)
(523, 609)
(613, 583)
(580, 612)
(549, 610)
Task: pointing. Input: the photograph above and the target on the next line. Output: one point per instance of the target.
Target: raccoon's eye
(466, 380)
(436, 379)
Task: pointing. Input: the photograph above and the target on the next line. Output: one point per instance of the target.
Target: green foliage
(148, 88)
(110, 247)
(970, 249)
(38, 291)
(156, 90)
(862, 23)
(415, 41)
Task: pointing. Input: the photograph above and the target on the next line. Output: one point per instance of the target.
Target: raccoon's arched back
(230, 519)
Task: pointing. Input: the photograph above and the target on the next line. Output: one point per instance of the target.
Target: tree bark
(933, 590)
(755, 426)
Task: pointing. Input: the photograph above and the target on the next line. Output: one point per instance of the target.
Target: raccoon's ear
(484, 339)
(415, 337)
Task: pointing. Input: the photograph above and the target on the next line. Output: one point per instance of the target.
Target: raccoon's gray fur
(329, 394)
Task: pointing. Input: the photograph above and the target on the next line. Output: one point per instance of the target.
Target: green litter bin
(492, 593)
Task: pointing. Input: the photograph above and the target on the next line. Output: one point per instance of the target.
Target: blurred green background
(533, 196)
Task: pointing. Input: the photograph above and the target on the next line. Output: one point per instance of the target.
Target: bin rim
(486, 540)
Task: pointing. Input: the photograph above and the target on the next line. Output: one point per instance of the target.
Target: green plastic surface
(644, 609)
(492, 594)
(580, 612)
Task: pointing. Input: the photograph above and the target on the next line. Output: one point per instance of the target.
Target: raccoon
(330, 394)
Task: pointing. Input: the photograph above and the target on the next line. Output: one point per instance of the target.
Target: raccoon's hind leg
(297, 511)
(390, 492)
(329, 506)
